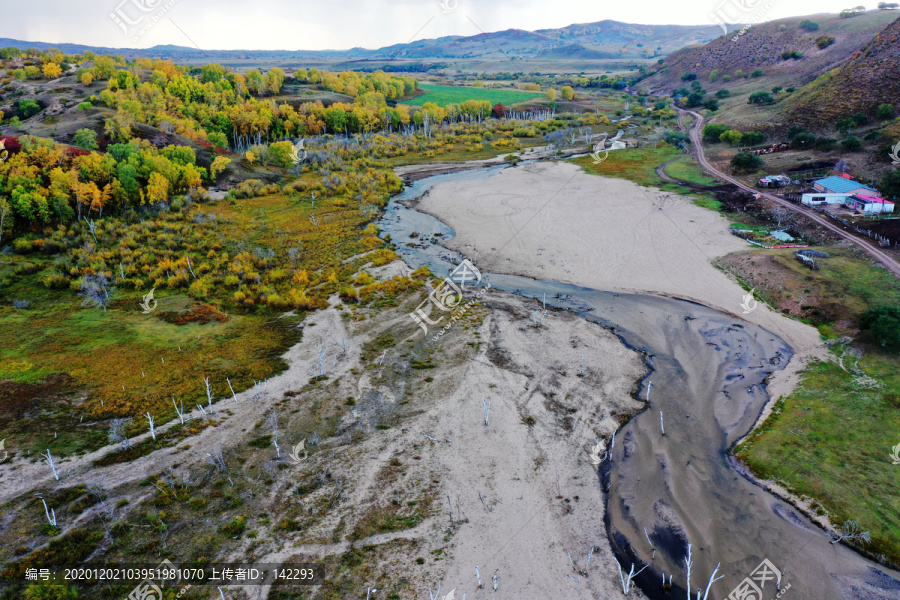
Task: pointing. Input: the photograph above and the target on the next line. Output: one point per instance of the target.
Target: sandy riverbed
(554, 221)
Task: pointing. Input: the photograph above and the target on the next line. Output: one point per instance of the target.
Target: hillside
(603, 39)
(761, 47)
(871, 77)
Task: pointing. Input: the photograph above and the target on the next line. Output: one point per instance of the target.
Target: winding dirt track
(695, 134)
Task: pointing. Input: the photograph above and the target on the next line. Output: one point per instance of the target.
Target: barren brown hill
(871, 77)
(761, 47)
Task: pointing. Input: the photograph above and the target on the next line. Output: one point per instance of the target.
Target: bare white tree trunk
(209, 397)
(180, 411)
(627, 579)
(273, 422)
(51, 513)
(322, 350)
(150, 420)
(49, 458)
(485, 411)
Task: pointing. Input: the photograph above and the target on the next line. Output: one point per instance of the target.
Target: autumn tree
(551, 94)
(567, 92)
(274, 80)
(157, 188)
(52, 71)
(218, 165)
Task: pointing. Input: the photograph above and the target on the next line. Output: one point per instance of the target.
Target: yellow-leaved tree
(52, 70)
(157, 188)
(218, 165)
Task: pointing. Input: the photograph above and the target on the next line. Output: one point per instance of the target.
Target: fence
(882, 241)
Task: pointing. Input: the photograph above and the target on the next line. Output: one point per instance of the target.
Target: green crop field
(442, 95)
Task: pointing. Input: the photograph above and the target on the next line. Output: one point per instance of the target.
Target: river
(707, 373)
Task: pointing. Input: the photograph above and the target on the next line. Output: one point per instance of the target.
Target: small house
(870, 205)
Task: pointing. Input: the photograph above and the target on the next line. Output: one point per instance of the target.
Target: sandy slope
(553, 221)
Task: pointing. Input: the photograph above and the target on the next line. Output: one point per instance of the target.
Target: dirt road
(880, 255)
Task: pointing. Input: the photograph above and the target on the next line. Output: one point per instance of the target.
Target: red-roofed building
(869, 204)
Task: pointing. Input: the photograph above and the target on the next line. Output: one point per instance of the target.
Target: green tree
(711, 104)
(884, 111)
(890, 183)
(803, 140)
(723, 93)
(883, 322)
(695, 99)
(86, 139)
(809, 25)
(753, 138)
(757, 73)
(29, 108)
(860, 119)
(212, 73)
(744, 162)
(731, 137)
(712, 132)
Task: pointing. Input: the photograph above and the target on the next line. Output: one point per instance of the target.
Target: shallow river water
(707, 374)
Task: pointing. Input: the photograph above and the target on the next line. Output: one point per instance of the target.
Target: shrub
(787, 55)
(722, 94)
(676, 137)
(349, 294)
(845, 125)
(883, 323)
(809, 25)
(884, 111)
(824, 41)
(744, 162)
(851, 144)
(23, 246)
(760, 98)
(758, 72)
(56, 281)
(711, 104)
(825, 143)
(689, 77)
(234, 528)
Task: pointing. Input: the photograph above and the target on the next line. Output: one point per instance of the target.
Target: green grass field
(687, 169)
(636, 164)
(831, 438)
(442, 95)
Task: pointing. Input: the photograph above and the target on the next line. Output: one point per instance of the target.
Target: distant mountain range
(601, 40)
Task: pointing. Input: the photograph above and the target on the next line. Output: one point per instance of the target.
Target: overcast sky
(341, 24)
